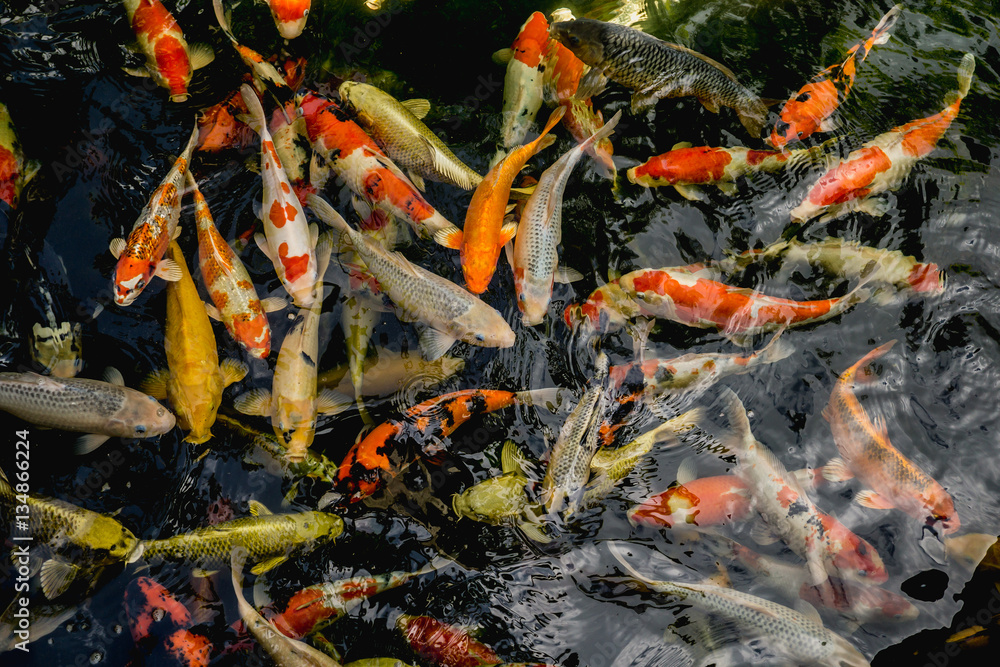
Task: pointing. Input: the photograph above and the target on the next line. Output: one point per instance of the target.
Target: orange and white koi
(229, 285)
(170, 61)
(485, 233)
(342, 147)
(684, 296)
(287, 240)
(14, 170)
(194, 380)
(522, 85)
(534, 258)
(608, 308)
(810, 109)
(892, 480)
(290, 16)
(685, 167)
(142, 256)
(266, 76)
(706, 501)
(882, 163)
(443, 644)
(293, 403)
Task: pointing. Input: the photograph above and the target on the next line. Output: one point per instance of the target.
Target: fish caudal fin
(736, 414)
(880, 35)
(965, 70)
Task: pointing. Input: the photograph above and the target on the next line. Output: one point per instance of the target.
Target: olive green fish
(655, 69)
(267, 538)
(397, 127)
(80, 540)
(100, 409)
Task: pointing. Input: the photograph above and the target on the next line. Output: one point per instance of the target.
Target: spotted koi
(607, 309)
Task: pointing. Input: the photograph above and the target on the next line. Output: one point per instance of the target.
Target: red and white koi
(342, 147)
(883, 163)
(170, 61)
(522, 86)
(265, 75)
(290, 16)
(142, 256)
(229, 285)
(14, 170)
(287, 240)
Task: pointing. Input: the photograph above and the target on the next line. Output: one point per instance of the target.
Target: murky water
(106, 139)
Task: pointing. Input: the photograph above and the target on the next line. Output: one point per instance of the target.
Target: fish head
(584, 37)
(290, 16)
(485, 327)
(926, 278)
(111, 540)
(533, 297)
(132, 275)
(648, 288)
(969, 550)
(942, 511)
(58, 349)
(312, 526)
(193, 649)
(855, 558)
(351, 92)
(493, 500)
(144, 417)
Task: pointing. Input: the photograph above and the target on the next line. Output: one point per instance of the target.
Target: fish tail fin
(257, 121)
(753, 115)
(545, 139)
(736, 414)
(220, 16)
(603, 133)
(777, 349)
(965, 70)
(880, 35)
(193, 142)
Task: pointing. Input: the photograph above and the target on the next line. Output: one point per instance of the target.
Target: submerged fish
(15, 171)
(266, 538)
(444, 644)
(892, 480)
(397, 127)
(655, 69)
(161, 625)
(391, 372)
(809, 110)
(266, 77)
(706, 501)
(607, 309)
(290, 16)
(104, 410)
(522, 85)
(882, 163)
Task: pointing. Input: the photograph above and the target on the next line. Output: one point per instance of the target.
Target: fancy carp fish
(342, 147)
(104, 410)
(234, 298)
(142, 256)
(607, 309)
(810, 109)
(485, 232)
(290, 16)
(706, 501)
(892, 480)
(686, 297)
(444, 644)
(883, 163)
(287, 240)
(15, 171)
(534, 258)
(161, 625)
(450, 312)
(169, 59)
(655, 69)
(194, 380)
(522, 84)
(391, 372)
(265, 75)
(398, 128)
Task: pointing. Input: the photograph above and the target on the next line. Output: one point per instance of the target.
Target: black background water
(106, 141)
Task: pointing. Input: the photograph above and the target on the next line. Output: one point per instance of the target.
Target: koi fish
(685, 167)
(444, 644)
(684, 296)
(193, 380)
(314, 607)
(265, 75)
(15, 171)
(894, 275)
(534, 258)
(169, 59)
(397, 127)
(891, 479)
(141, 256)
(219, 128)
(293, 403)
(154, 613)
(341, 146)
(809, 110)
(485, 233)
(796, 636)
(608, 308)
(287, 240)
(229, 285)
(706, 501)
(655, 69)
(391, 372)
(450, 312)
(424, 424)
(522, 84)
(290, 16)
(883, 163)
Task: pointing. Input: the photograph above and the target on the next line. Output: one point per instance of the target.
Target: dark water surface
(106, 141)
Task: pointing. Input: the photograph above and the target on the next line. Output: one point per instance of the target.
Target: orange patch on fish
(848, 180)
(295, 266)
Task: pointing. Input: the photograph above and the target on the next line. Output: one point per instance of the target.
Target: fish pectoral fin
(527, 191)
(507, 232)
(727, 187)
(268, 564)
(709, 104)
(642, 102)
(449, 237)
(155, 384)
(212, 311)
(261, 242)
(113, 376)
(592, 83)
(829, 124)
(681, 144)
(233, 371)
(762, 535)
(687, 470)
(255, 402)
(872, 500)
(508, 251)
(177, 233)
(169, 270)
(876, 208)
(837, 470)
(273, 304)
(202, 573)
(690, 192)
(330, 402)
(808, 610)
(117, 247)
(258, 508)
(88, 443)
(511, 458)
(136, 71)
(434, 343)
(56, 576)
(534, 532)
(502, 56)
(419, 107)
(200, 55)
(565, 274)
(417, 179)
(817, 572)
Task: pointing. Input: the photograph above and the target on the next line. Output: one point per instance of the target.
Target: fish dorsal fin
(700, 56)
(418, 107)
(742, 437)
(511, 459)
(258, 508)
(808, 611)
(761, 534)
(113, 376)
(503, 56)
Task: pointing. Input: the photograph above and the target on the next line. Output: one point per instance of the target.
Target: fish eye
(573, 40)
(305, 13)
(140, 429)
(140, 284)
(480, 337)
(521, 297)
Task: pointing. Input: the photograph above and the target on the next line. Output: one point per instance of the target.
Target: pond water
(106, 139)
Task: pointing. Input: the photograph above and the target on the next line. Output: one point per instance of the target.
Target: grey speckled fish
(655, 69)
(397, 127)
